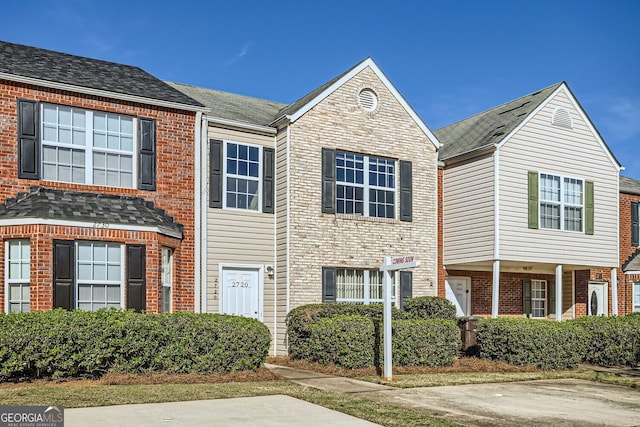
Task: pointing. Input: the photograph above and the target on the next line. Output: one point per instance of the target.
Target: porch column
(495, 294)
(559, 293)
(614, 292)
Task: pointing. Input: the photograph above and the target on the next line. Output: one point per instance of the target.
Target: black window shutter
(215, 173)
(136, 278)
(406, 191)
(28, 140)
(63, 274)
(147, 154)
(552, 298)
(526, 297)
(635, 228)
(329, 284)
(532, 190)
(328, 180)
(268, 175)
(406, 287)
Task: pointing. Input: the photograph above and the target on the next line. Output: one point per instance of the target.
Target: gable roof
(229, 106)
(41, 203)
(490, 127)
(297, 109)
(629, 185)
(85, 75)
(632, 263)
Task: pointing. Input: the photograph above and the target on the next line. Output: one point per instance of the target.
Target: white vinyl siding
(18, 273)
(539, 145)
(468, 207)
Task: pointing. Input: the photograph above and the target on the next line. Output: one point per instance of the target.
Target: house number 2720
(239, 284)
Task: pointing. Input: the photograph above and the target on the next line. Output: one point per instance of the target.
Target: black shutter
(406, 287)
(526, 297)
(552, 299)
(406, 191)
(136, 278)
(215, 173)
(328, 180)
(329, 284)
(63, 274)
(147, 154)
(28, 141)
(268, 175)
(635, 228)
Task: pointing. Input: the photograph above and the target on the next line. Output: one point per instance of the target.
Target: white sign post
(391, 264)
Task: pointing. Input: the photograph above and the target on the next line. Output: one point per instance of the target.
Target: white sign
(400, 262)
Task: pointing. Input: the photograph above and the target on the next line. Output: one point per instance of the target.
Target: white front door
(597, 303)
(241, 292)
(458, 291)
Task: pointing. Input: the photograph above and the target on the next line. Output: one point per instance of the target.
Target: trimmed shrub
(430, 308)
(60, 343)
(418, 342)
(301, 318)
(611, 341)
(546, 345)
(347, 341)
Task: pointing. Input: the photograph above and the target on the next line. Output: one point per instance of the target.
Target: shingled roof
(99, 208)
(229, 106)
(56, 67)
(489, 127)
(629, 185)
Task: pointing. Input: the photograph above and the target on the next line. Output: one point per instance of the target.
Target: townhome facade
(97, 185)
(629, 274)
(529, 211)
(306, 199)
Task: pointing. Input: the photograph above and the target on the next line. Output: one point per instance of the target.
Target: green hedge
(546, 345)
(58, 343)
(347, 341)
(430, 342)
(301, 318)
(611, 341)
(430, 308)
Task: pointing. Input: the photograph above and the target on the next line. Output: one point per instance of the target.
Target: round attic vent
(562, 117)
(368, 100)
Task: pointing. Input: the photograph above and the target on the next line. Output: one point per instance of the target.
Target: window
(365, 185)
(99, 275)
(87, 147)
(561, 203)
(18, 268)
(538, 298)
(242, 176)
(167, 279)
(361, 286)
(636, 296)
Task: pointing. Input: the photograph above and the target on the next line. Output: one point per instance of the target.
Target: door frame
(231, 266)
(605, 298)
(468, 297)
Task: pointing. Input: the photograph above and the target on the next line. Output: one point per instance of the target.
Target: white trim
(89, 224)
(288, 207)
(255, 267)
(352, 73)
(203, 197)
(562, 202)
(242, 125)
(171, 287)
(225, 174)
(614, 292)
(594, 132)
(102, 93)
(198, 249)
(559, 293)
(76, 264)
(632, 272)
(495, 290)
(496, 204)
(275, 249)
(7, 283)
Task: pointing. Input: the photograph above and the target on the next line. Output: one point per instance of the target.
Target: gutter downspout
(198, 219)
(204, 194)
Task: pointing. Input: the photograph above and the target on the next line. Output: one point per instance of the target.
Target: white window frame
(166, 268)
(21, 282)
(540, 299)
(367, 284)
(226, 175)
(92, 283)
(636, 297)
(88, 147)
(367, 186)
(563, 203)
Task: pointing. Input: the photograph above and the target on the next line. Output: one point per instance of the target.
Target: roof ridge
(226, 92)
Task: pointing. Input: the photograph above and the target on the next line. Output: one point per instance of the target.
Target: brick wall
(174, 186)
(318, 239)
(625, 282)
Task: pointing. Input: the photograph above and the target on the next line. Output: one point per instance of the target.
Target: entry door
(241, 292)
(597, 299)
(458, 291)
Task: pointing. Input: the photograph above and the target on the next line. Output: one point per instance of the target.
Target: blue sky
(449, 59)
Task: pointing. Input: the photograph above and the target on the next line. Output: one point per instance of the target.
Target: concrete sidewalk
(263, 411)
